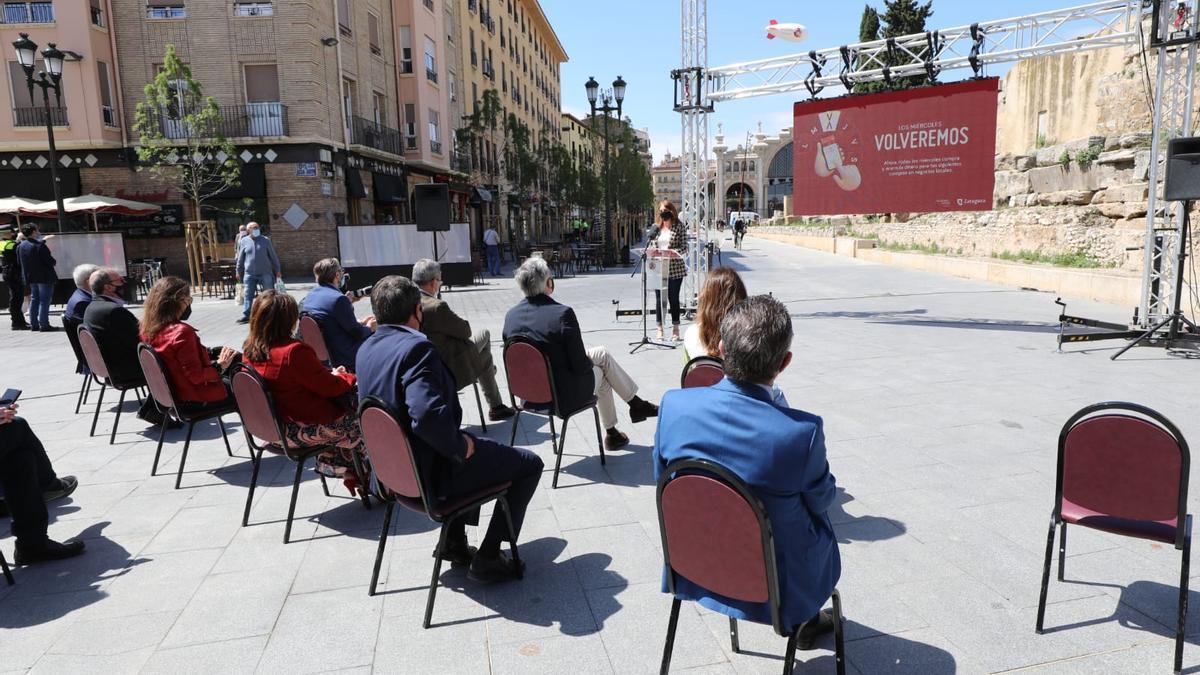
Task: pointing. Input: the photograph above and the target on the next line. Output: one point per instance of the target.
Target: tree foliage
(179, 135)
(905, 17)
(868, 31)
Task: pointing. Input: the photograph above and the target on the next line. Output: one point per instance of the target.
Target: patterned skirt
(346, 461)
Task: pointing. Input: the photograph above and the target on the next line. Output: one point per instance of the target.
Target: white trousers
(609, 377)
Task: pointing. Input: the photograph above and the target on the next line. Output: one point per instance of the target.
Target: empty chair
(702, 371)
(715, 533)
(311, 335)
(531, 380)
(100, 372)
(1122, 468)
(399, 482)
(164, 395)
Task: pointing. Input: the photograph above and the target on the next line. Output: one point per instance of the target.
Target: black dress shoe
(459, 553)
(815, 627)
(614, 439)
(21, 327)
(66, 485)
(501, 412)
(51, 550)
(640, 409)
(49, 329)
(493, 569)
(243, 320)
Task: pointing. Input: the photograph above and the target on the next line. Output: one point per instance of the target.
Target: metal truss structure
(1098, 25)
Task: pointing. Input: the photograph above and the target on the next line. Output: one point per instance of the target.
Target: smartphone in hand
(10, 396)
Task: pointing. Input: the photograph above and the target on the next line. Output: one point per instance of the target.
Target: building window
(97, 14)
(264, 112)
(28, 12)
(453, 87)
(429, 5)
(344, 20)
(435, 139)
(430, 60)
(166, 10)
(405, 49)
(348, 100)
(475, 98)
(253, 9)
(106, 106)
(474, 54)
(410, 126)
(373, 34)
(379, 108)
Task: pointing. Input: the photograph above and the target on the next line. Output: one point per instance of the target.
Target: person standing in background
(37, 266)
(10, 267)
(491, 239)
(257, 266)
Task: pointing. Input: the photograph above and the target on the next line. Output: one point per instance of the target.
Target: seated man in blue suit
(402, 367)
(778, 451)
(334, 312)
(82, 297)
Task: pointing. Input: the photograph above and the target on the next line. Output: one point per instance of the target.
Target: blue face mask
(255, 233)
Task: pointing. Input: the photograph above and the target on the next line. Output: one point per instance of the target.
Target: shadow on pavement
(977, 324)
(849, 529)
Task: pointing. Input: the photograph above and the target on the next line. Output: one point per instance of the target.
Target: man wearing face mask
(334, 311)
(37, 264)
(257, 266)
(116, 331)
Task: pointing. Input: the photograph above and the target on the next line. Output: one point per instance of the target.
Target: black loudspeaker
(1182, 181)
(432, 203)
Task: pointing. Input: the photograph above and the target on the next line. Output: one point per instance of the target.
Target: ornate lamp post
(49, 78)
(606, 97)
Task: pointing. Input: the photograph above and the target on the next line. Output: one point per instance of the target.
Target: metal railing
(108, 115)
(460, 160)
(435, 147)
(410, 142)
(431, 75)
(374, 135)
(237, 121)
(429, 5)
(28, 12)
(36, 116)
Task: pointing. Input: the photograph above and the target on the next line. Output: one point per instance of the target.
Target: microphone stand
(646, 341)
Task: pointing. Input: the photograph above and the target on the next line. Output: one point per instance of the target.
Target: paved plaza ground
(942, 400)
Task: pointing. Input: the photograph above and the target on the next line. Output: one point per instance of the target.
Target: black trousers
(23, 465)
(495, 463)
(673, 287)
(16, 297)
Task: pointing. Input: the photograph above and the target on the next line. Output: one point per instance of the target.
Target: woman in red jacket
(313, 400)
(189, 364)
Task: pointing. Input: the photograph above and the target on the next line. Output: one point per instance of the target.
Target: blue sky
(639, 39)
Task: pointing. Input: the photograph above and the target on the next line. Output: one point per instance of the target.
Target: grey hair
(83, 274)
(533, 276)
(394, 300)
(326, 269)
(101, 278)
(425, 271)
(757, 334)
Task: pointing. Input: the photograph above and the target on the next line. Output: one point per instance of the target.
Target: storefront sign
(326, 188)
(306, 170)
(152, 197)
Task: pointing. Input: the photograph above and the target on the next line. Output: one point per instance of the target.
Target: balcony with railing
(431, 74)
(28, 12)
(429, 5)
(36, 116)
(237, 121)
(410, 143)
(435, 147)
(374, 135)
(97, 17)
(460, 160)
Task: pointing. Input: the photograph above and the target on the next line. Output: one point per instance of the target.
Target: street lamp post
(607, 97)
(49, 78)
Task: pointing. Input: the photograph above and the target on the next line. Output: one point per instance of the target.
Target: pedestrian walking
(37, 268)
(491, 239)
(257, 266)
(10, 267)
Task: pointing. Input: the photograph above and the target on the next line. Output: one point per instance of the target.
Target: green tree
(179, 135)
(905, 17)
(868, 31)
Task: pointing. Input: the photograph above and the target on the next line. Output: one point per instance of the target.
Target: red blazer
(302, 386)
(195, 377)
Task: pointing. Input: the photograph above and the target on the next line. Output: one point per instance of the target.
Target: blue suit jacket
(780, 454)
(335, 314)
(37, 265)
(402, 367)
(78, 304)
(556, 331)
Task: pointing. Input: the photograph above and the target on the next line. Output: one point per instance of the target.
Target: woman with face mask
(197, 379)
(671, 234)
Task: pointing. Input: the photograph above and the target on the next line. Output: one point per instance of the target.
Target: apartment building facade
(509, 46)
(309, 93)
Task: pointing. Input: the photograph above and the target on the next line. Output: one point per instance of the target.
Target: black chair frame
(85, 387)
(703, 359)
(559, 442)
(1183, 521)
(385, 495)
(105, 383)
(4, 568)
(299, 456)
(183, 417)
(730, 479)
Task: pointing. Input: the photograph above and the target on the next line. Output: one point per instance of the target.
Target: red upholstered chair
(531, 380)
(256, 409)
(164, 395)
(4, 568)
(399, 482)
(702, 371)
(1122, 468)
(95, 363)
(715, 533)
(71, 327)
(311, 335)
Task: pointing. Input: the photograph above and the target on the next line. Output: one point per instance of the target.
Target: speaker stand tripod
(646, 341)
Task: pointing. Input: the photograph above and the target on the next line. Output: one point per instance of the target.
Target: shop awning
(354, 184)
(10, 205)
(479, 195)
(93, 204)
(389, 189)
